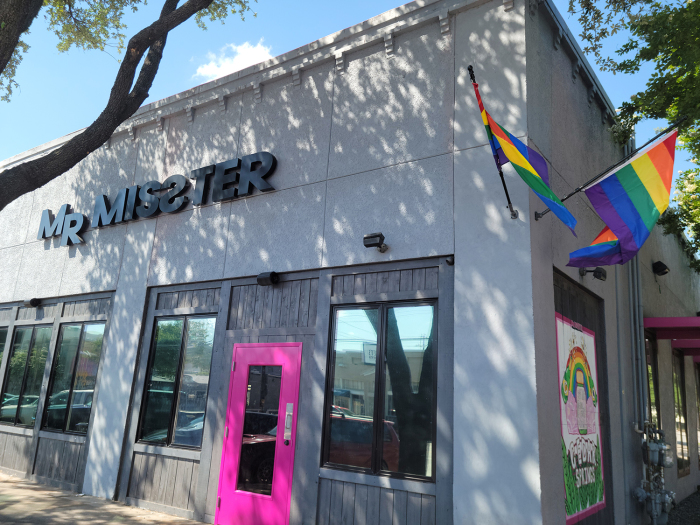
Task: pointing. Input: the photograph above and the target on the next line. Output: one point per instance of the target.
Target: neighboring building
(422, 384)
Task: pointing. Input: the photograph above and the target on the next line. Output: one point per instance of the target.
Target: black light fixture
(268, 278)
(660, 268)
(32, 303)
(372, 240)
(598, 273)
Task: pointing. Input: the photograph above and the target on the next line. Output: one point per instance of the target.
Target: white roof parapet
(333, 48)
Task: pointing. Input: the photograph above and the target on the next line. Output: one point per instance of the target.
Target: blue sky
(63, 92)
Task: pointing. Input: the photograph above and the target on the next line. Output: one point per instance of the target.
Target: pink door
(255, 483)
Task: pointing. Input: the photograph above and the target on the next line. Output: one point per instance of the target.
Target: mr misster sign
(143, 201)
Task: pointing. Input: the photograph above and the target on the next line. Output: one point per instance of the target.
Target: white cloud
(233, 58)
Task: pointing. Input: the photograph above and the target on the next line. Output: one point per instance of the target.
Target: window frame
(676, 354)
(178, 380)
(23, 385)
(379, 390)
(654, 355)
(52, 377)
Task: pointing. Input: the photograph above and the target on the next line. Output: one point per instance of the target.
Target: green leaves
(666, 35)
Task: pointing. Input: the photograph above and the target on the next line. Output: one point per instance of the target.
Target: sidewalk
(25, 502)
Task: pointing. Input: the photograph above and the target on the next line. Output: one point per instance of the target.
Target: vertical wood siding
(188, 299)
(5, 314)
(164, 480)
(89, 307)
(58, 460)
(289, 304)
(38, 313)
(15, 451)
(386, 282)
(343, 503)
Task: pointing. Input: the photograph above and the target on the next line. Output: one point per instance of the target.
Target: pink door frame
(237, 506)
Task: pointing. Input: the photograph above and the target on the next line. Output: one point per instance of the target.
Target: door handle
(288, 422)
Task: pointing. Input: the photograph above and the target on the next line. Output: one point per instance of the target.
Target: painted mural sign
(580, 420)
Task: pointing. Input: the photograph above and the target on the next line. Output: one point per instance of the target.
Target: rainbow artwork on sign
(580, 420)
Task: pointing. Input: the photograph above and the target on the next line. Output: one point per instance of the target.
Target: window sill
(409, 485)
(60, 436)
(10, 429)
(172, 452)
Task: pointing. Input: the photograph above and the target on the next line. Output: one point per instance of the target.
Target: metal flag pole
(513, 212)
(539, 215)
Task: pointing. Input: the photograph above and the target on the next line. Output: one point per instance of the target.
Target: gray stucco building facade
(374, 129)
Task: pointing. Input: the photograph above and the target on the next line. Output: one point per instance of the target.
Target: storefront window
(73, 378)
(680, 415)
(381, 412)
(178, 381)
(25, 372)
(653, 410)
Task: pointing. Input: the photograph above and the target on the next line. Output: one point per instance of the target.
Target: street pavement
(25, 502)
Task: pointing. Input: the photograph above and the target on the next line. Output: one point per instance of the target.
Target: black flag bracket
(513, 211)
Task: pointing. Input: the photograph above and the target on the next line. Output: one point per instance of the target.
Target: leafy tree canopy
(93, 24)
(667, 36)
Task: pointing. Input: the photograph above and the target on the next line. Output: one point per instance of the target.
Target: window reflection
(20, 397)
(62, 374)
(408, 401)
(192, 401)
(161, 380)
(355, 356)
(177, 382)
(85, 377)
(682, 459)
(257, 461)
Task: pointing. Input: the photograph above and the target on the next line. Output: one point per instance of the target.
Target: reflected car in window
(351, 441)
(27, 410)
(81, 405)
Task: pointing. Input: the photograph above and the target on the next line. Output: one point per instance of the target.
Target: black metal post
(513, 212)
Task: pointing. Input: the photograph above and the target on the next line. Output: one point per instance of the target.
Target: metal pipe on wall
(633, 342)
(642, 343)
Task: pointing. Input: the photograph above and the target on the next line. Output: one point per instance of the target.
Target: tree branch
(123, 102)
(15, 18)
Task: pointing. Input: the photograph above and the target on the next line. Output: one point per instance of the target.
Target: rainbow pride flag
(631, 198)
(529, 164)
(604, 250)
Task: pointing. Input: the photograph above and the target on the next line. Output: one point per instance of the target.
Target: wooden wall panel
(386, 282)
(89, 307)
(16, 451)
(5, 314)
(289, 304)
(38, 313)
(208, 297)
(344, 503)
(165, 480)
(58, 460)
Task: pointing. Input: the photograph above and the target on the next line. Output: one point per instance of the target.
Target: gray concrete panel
(93, 266)
(150, 161)
(15, 220)
(11, 260)
(493, 41)
(411, 204)
(190, 246)
(211, 137)
(294, 124)
(497, 466)
(280, 231)
(104, 172)
(118, 362)
(41, 269)
(388, 110)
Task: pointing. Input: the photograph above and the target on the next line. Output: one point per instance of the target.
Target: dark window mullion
(176, 385)
(24, 377)
(81, 341)
(379, 387)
